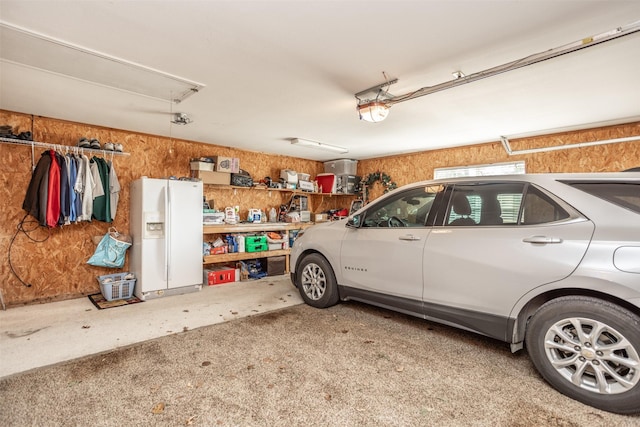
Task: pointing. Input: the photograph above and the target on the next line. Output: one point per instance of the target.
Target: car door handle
(409, 237)
(542, 239)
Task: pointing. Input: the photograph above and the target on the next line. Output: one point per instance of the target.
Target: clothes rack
(58, 147)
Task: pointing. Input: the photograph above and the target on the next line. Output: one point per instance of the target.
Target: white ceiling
(276, 70)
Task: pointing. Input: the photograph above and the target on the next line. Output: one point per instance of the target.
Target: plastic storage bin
(256, 243)
(219, 275)
(341, 167)
(257, 247)
(347, 184)
(327, 182)
(277, 244)
(117, 286)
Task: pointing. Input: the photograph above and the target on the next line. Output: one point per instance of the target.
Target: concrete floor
(45, 334)
(349, 365)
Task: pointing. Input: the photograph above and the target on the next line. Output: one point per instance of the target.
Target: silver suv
(550, 261)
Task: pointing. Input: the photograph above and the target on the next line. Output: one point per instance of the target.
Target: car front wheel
(316, 281)
(589, 350)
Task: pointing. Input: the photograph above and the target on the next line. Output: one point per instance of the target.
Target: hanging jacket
(72, 175)
(64, 189)
(53, 193)
(86, 185)
(35, 201)
(102, 202)
(78, 191)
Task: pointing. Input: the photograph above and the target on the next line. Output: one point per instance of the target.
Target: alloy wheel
(592, 355)
(314, 281)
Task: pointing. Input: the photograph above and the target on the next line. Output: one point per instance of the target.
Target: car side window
(539, 208)
(484, 204)
(406, 209)
(501, 203)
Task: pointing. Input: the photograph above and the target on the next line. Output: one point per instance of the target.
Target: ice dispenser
(153, 225)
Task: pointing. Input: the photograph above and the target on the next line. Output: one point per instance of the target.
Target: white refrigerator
(166, 226)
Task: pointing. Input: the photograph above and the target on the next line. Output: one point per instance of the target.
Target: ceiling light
(319, 145)
(374, 111)
(34, 50)
(372, 106)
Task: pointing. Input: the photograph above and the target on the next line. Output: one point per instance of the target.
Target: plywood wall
(54, 261)
(601, 158)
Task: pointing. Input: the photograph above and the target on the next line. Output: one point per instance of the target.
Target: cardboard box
(209, 177)
(275, 265)
(305, 216)
(227, 164)
(320, 217)
(201, 166)
(219, 250)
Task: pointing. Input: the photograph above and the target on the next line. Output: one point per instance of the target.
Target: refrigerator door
(184, 223)
(149, 231)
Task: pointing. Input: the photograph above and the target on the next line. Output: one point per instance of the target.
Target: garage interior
(256, 77)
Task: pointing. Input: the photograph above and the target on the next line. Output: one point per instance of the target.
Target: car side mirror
(354, 221)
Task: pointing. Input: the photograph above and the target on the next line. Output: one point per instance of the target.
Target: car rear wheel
(589, 350)
(316, 281)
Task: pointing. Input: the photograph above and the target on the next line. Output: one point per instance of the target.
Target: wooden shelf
(240, 256)
(282, 190)
(263, 188)
(252, 228)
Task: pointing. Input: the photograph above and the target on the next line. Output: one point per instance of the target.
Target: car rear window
(625, 194)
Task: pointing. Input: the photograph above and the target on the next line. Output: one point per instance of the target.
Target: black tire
(600, 366)
(316, 281)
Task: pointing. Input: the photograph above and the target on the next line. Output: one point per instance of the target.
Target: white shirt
(114, 190)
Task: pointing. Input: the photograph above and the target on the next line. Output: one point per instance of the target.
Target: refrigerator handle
(167, 231)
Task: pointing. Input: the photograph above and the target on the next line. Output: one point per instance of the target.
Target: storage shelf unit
(252, 228)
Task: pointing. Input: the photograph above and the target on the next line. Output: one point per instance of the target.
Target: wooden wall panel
(413, 167)
(57, 269)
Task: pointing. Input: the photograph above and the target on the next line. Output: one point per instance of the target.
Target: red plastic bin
(219, 275)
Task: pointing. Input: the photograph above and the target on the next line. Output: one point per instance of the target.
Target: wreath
(368, 181)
